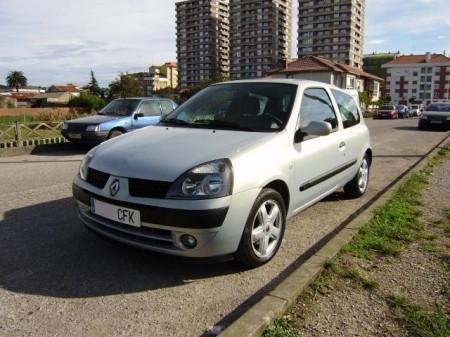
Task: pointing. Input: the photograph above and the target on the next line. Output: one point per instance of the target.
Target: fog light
(188, 241)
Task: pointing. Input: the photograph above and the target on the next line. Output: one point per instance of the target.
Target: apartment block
(202, 40)
(261, 36)
(332, 29)
(423, 78)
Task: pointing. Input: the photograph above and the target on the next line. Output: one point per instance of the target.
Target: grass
(282, 328)
(395, 223)
(419, 321)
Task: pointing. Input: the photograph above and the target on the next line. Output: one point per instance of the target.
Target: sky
(57, 42)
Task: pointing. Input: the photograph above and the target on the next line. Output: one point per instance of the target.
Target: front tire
(264, 230)
(359, 184)
(114, 134)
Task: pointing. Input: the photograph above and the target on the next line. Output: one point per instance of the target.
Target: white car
(221, 174)
(416, 110)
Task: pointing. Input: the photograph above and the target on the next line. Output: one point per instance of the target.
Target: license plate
(120, 214)
(75, 135)
(436, 122)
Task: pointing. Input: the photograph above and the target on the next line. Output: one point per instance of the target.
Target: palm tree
(16, 79)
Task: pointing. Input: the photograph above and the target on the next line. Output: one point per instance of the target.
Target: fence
(26, 134)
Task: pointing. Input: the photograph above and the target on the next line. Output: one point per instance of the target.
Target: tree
(94, 87)
(189, 92)
(125, 86)
(388, 99)
(413, 100)
(16, 79)
(365, 100)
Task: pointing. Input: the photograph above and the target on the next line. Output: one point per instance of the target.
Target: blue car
(118, 117)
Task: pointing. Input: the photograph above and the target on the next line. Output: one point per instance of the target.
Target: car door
(318, 159)
(354, 132)
(148, 113)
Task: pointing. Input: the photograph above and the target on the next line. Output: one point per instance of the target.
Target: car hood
(96, 119)
(164, 153)
(436, 113)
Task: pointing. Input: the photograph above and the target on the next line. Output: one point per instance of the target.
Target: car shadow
(45, 250)
(65, 149)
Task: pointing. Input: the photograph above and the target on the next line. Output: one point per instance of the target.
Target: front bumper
(90, 137)
(218, 227)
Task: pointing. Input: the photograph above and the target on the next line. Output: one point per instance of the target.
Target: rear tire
(359, 184)
(264, 229)
(115, 133)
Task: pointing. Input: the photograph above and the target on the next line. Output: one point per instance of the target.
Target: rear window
(347, 108)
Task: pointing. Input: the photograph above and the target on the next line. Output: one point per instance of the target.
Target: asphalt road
(58, 279)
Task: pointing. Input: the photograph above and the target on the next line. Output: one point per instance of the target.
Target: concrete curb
(255, 320)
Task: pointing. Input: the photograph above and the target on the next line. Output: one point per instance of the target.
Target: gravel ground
(419, 274)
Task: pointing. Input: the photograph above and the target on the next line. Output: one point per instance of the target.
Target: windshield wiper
(223, 124)
(174, 121)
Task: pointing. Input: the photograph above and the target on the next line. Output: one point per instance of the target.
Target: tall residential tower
(202, 40)
(261, 34)
(332, 29)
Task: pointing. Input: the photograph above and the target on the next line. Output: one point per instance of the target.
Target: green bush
(87, 101)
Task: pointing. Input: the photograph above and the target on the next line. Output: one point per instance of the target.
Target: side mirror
(314, 128)
(138, 114)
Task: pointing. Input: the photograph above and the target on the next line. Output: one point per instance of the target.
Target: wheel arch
(369, 155)
(117, 128)
(281, 187)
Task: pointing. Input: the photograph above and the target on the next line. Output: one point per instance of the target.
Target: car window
(150, 108)
(316, 106)
(167, 107)
(347, 108)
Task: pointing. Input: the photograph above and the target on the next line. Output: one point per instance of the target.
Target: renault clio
(221, 174)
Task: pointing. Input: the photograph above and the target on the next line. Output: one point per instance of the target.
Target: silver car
(221, 174)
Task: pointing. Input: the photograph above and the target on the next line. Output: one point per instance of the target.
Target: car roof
(297, 82)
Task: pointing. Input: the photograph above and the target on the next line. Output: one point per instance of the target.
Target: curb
(276, 303)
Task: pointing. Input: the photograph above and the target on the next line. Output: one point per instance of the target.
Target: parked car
(436, 115)
(221, 174)
(118, 117)
(388, 111)
(403, 111)
(416, 110)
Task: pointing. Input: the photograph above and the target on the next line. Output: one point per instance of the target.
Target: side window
(317, 106)
(347, 108)
(150, 108)
(167, 107)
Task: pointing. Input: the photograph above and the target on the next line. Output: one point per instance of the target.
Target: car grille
(74, 127)
(148, 188)
(97, 178)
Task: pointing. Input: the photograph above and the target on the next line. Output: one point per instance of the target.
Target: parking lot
(58, 279)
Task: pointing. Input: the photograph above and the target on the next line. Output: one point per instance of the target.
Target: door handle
(342, 145)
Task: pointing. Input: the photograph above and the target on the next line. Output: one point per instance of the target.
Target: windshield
(387, 107)
(261, 107)
(120, 107)
(439, 107)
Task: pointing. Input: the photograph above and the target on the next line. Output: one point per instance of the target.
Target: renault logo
(114, 188)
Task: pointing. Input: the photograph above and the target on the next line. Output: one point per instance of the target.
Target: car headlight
(207, 181)
(65, 126)
(84, 166)
(93, 128)
(424, 117)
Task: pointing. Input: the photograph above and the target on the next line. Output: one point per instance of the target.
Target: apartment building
(332, 29)
(424, 78)
(202, 40)
(261, 36)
